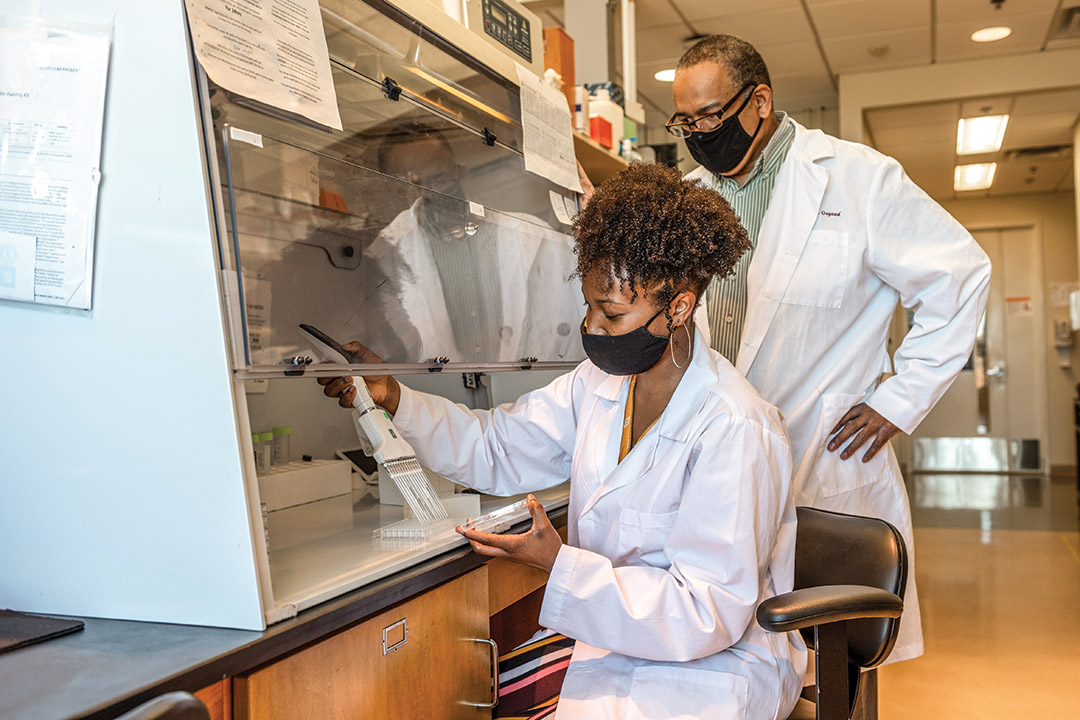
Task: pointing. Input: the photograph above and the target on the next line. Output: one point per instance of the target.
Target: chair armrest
(826, 604)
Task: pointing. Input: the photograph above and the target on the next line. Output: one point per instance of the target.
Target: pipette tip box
(303, 482)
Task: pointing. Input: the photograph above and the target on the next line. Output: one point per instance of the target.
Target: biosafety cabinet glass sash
(409, 231)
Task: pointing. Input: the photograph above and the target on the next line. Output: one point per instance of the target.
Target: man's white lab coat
(846, 235)
(669, 552)
(540, 308)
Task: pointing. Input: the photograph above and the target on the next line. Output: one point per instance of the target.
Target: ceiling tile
(837, 18)
(697, 10)
(654, 12)
(1001, 105)
(938, 138)
(761, 28)
(940, 113)
(983, 14)
(1040, 130)
(1042, 102)
(852, 53)
(1022, 177)
(800, 58)
(661, 42)
(954, 39)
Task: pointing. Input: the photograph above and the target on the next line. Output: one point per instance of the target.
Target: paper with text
(272, 51)
(547, 131)
(52, 107)
(559, 207)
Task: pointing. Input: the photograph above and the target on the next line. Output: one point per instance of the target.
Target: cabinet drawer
(419, 659)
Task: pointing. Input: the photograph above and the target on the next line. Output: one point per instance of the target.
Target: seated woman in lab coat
(681, 517)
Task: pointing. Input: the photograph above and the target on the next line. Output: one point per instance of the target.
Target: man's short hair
(647, 226)
(742, 61)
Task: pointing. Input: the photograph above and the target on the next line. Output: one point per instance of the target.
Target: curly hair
(742, 61)
(647, 226)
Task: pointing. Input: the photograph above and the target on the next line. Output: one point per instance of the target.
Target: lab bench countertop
(112, 666)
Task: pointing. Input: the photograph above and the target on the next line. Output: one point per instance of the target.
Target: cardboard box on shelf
(559, 55)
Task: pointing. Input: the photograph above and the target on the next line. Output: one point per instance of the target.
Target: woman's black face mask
(627, 354)
(721, 150)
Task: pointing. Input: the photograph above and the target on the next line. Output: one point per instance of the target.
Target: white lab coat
(669, 552)
(846, 236)
(539, 307)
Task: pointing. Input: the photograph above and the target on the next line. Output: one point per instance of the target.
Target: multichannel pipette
(379, 436)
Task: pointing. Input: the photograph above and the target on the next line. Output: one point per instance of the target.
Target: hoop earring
(689, 350)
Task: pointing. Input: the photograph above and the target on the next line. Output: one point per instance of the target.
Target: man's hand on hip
(862, 423)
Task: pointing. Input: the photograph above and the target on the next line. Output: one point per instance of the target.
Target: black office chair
(850, 573)
(170, 706)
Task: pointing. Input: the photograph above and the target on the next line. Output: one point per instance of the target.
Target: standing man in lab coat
(839, 234)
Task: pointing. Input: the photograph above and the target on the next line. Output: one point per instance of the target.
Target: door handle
(997, 371)
(494, 675)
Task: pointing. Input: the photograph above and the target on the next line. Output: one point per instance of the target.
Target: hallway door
(993, 418)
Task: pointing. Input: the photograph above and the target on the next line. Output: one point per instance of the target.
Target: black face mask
(627, 354)
(722, 149)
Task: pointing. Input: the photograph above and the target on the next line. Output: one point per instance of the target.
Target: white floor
(998, 568)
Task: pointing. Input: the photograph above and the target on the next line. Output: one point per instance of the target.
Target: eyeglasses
(706, 123)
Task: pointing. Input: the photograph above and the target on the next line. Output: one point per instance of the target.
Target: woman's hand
(538, 547)
(384, 389)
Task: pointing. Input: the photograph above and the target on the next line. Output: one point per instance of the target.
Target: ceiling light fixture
(982, 134)
(991, 34)
(979, 176)
(665, 75)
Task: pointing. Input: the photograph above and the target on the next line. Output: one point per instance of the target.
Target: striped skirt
(531, 677)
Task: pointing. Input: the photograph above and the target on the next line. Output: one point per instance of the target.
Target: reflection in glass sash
(403, 265)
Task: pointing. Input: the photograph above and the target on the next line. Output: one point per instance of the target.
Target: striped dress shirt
(727, 296)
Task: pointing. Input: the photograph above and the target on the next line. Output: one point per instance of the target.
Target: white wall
(1055, 215)
(121, 492)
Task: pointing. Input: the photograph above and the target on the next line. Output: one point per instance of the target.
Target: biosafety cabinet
(127, 472)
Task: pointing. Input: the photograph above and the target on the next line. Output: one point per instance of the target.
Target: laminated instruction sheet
(547, 131)
(272, 51)
(52, 107)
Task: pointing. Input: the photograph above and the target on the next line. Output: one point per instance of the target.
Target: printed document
(52, 105)
(547, 128)
(272, 51)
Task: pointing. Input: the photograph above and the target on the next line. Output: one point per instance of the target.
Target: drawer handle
(494, 675)
(389, 648)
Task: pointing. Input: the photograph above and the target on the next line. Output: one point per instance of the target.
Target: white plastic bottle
(581, 109)
(264, 453)
(281, 436)
(601, 105)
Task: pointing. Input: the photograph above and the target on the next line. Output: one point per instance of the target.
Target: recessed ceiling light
(979, 176)
(981, 134)
(991, 34)
(666, 75)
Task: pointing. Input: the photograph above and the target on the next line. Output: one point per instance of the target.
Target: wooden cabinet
(599, 162)
(218, 699)
(428, 657)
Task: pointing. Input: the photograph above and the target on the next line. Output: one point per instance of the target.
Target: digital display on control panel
(508, 27)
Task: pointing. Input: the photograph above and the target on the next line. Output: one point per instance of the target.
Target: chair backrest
(836, 549)
(170, 706)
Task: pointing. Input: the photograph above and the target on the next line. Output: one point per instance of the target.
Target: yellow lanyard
(628, 423)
